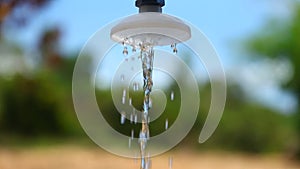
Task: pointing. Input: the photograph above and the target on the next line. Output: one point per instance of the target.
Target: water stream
(147, 56)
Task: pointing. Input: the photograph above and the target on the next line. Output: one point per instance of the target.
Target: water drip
(166, 124)
(170, 162)
(123, 118)
(125, 51)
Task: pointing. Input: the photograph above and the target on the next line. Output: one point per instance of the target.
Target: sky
(225, 23)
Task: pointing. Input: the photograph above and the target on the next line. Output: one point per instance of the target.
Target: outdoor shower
(144, 39)
(143, 32)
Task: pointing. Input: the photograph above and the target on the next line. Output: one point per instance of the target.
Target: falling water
(170, 162)
(123, 117)
(129, 142)
(172, 96)
(124, 96)
(166, 124)
(147, 56)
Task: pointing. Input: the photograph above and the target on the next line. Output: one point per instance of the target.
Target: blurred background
(259, 46)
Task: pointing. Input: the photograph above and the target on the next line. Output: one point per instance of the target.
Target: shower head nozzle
(150, 5)
(139, 3)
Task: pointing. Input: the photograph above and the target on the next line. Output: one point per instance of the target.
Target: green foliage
(281, 40)
(39, 104)
(252, 129)
(30, 107)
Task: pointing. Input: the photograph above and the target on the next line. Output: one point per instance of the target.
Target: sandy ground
(94, 158)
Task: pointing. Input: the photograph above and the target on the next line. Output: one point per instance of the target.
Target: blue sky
(225, 23)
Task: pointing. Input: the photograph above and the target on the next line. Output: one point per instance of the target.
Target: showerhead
(150, 27)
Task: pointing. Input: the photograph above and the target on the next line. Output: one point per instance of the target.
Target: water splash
(147, 56)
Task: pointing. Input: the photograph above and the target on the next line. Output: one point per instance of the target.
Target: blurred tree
(17, 12)
(49, 48)
(30, 107)
(281, 40)
(38, 102)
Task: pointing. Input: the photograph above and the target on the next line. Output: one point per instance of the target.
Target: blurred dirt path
(94, 158)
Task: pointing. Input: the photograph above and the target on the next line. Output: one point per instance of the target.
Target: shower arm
(150, 5)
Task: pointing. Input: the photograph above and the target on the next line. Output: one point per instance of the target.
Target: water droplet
(123, 117)
(173, 46)
(166, 124)
(125, 51)
(172, 95)
(170, 162)
(175, 50)
(124, 96)
(130, 101)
